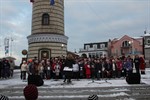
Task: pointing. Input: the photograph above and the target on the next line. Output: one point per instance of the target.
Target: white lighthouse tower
(47, 37)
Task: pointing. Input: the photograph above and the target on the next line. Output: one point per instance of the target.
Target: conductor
(68, 68)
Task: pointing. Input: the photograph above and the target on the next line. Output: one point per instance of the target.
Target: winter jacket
(24, 67)
(128, 65)
(75, 68)
(69, 63)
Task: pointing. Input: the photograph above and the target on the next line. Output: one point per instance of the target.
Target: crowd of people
(98, 68)
(6, 68)
(72, 67)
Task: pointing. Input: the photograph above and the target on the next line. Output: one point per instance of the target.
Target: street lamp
(131, 44)
(62, 45)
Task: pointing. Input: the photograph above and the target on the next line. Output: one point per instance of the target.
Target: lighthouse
(47, 37)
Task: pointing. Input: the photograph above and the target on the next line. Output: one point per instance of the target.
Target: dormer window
(95, 46)
(148, 41)
(87, 47)
(102, 45)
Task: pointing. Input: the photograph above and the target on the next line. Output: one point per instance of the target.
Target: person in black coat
(1, 67)
(98, 68)
(69, 63)
(6, 68)
(137, 63)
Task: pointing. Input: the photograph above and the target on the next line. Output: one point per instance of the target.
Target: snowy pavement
(114, 89)
(82, 83)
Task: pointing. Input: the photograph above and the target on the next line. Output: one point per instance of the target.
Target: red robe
(142, 64)
(119, 65)
(88, 69)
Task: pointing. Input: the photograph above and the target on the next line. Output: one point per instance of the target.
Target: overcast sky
(85, 21)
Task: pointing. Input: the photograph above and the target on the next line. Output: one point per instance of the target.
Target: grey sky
(85, 21)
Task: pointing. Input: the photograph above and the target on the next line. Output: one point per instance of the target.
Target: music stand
(105, 82)
(93, 81)
(105, 79)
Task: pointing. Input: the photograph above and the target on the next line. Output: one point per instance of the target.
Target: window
(87, 47)
(45, 19)
(95, 46)
(126, 44)
(102, 45)
(148, 41)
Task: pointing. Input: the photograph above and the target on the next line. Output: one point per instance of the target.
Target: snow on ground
(81, 83)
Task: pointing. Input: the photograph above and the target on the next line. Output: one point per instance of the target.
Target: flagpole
(11, 46)
(0, 47)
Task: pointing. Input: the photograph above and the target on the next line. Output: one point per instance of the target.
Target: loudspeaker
(35, 79)
(133, 78)
(142, 72)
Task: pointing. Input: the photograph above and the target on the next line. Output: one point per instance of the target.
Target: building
(47, 37)
(117, 47)
(99, 49)
(147, 49)
(126, 45)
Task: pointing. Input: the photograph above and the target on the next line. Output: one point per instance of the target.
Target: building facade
(147, 49)
(99, 49)
(127, 46)
(47, 37)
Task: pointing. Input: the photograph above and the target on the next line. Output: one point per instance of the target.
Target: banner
(6, 44)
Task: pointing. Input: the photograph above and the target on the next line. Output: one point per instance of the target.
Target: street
(114, 89)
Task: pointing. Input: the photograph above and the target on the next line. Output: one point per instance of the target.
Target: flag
(6, 50)
(6, 43)
(32, 1)
(52, 2)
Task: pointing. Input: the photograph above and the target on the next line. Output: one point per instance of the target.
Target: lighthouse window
(45, 19)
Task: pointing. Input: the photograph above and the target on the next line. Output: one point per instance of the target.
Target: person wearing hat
(93, 97)
(24, 70)
(3, 97)
(30, 92)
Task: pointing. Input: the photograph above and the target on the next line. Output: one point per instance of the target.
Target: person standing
(142, 65)
(48, 69)
(137, 63)
(81, 69)
(6, 68)
(98, 69)
(108, 68)
(114, 69)
(128, 66)
(41, 70)
(30, 67)
(76, 70)
(24, 70)
(88, 70)
(57, 68)
(119, 67)
(12, 65)
(69, 63)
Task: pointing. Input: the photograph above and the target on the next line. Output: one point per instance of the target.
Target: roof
(10, 58)
(147, 34)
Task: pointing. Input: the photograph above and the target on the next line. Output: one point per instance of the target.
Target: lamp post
(132, 46)
(62, 45)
